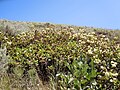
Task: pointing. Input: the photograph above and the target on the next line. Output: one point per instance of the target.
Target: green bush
(87, 61)
(80, 75)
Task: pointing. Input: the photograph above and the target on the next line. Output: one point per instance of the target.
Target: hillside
(48, 56)
(17, 27)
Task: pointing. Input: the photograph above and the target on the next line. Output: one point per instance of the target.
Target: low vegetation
(61, 59)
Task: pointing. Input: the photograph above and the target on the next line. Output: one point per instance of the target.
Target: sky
(92, 13)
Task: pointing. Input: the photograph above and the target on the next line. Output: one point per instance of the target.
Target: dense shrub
(68, 59)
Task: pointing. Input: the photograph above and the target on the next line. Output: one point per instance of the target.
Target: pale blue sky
(96, 13)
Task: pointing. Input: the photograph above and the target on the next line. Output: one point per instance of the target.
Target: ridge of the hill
(17, 27)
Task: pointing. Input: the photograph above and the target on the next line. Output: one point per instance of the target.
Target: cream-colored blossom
(115, 38)
(107, 74)
(75, 35)
(102, 67)
(47, 28)
(92, 32)
(114, 74)
(113, 63)
(80, 41)
(95, 38)
(83, 42)
(9, 42)
(95, 50)
(106, 39)
(5, 37)
(90, 35)
(103, 36)
(89, 46)
(97, 60)
(90, 51)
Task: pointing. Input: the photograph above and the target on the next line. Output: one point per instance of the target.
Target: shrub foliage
(67, 59)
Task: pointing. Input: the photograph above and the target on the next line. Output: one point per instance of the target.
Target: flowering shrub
(55, 54)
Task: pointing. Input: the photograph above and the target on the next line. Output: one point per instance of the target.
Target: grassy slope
(14, 28)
